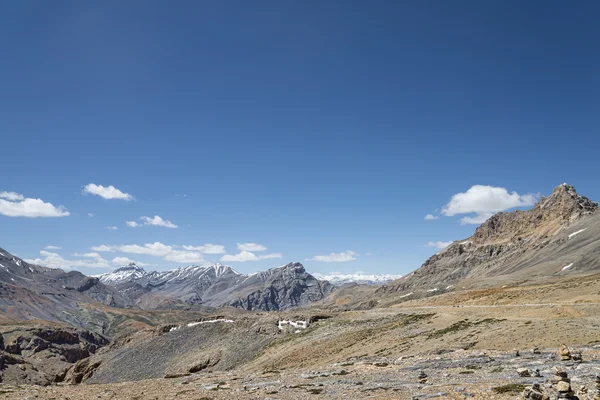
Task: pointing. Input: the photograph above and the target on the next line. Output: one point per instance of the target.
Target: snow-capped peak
(339, 279)
(127, 273)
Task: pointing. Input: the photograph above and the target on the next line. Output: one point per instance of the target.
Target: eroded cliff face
(515, 246)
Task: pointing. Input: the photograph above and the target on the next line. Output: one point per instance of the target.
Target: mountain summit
(559, 235)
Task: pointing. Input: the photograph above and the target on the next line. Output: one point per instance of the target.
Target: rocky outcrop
(280, 289)
(44, 355)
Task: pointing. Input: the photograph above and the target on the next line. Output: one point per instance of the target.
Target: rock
(422, 377)
(535, 350)
(533, 393)
(564, 353)
(563, 386)
(523, 372)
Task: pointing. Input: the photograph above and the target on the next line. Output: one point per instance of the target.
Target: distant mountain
(219, 285)
(559, 236)
(30, 291)
(360, 279)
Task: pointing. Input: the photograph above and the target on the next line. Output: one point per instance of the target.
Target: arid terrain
(465, 342)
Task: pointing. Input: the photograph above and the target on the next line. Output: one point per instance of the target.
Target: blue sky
(309, 128)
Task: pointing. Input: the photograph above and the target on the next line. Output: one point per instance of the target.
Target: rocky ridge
(220, 285)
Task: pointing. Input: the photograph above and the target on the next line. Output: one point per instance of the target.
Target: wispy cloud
(431, 217)
(106, 192)
(244, 256)
(16, 205)
(154, 221)
(335, 257)
(50, 247)
(54, 260)
(112, 228)
(439, 245)
(158, 221)
(207, 248)
(126, 261)
(251, 247)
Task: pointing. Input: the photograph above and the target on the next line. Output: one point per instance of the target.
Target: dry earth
(463, 342)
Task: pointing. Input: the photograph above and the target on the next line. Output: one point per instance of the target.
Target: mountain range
(219, 285)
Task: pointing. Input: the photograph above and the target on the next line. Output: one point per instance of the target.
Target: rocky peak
(296, 266)
(547, 217)
(130, 267)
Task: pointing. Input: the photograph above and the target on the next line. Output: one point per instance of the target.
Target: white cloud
(54, 260)
(16, 205)
(368, 254)
(132, 224)
(12, 196)
(126, 261)
(439, 245)
(207, 248)
(50, 247)
(158, 221)
(186, 257)
(155, 249)
(112, 228)
(88, 255)
(431, 217)
(106, 192)
(103, 248)
(251, 247)
(335, 257)
(244, 256)
(485, 201)
(90, 215)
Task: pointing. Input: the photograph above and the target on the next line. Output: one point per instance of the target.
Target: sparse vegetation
(460, 326)
(510, 388)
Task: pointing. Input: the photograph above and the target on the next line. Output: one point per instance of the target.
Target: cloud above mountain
(106, 192)
(251, 247)
(244, 256)
(439, 245)
(335, 257)
(485, 201)
(16, 205)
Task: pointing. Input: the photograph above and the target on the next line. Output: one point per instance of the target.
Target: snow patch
(449, 287)
(175, 328)
(209, 322)
(4, 267)
(433, 290)
(567, 267)
(405, 295)
(576, 233)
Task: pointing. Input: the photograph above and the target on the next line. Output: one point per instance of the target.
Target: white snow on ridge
(4, 267)
(567, 267)
(369, 279)
(575, 233)
(433, 290)
(209, 322)
(405, 295)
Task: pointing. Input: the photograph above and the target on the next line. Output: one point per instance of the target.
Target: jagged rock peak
(295, 266)
(129, 267)
(547, 216)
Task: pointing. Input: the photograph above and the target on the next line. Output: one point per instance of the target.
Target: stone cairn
(422, 377)
(536, 350)
(563, 385)
(564, 353)
(534, 393)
